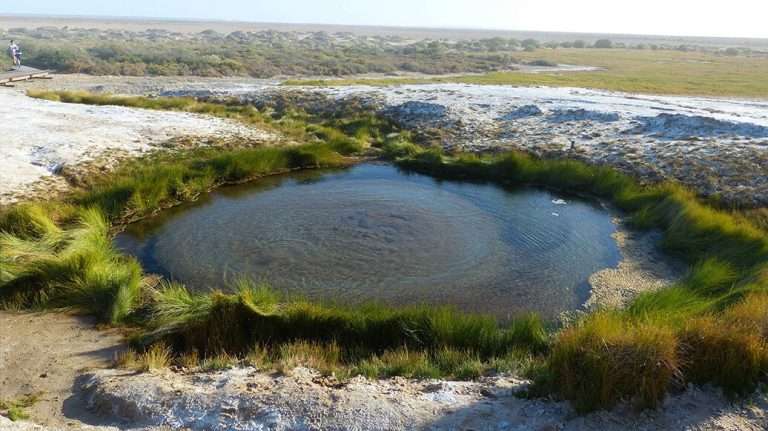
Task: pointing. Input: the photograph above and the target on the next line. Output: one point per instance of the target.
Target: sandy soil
(43, 137)
(43, 353)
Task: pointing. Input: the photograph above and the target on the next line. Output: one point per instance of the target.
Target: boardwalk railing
(24, 73)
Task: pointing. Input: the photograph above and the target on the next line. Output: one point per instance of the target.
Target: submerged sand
(643, 268)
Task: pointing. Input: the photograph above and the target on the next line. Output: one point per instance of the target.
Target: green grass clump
(217, 322)
(16, 410)
(222, 361)
(338, 140)
(70, 266)
(368, 339)
(325, 358)
(156, 357)
(142, 187)
(399, 362)
(605, 360)
(729, 349)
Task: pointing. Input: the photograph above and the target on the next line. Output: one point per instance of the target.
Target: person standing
(14, 52)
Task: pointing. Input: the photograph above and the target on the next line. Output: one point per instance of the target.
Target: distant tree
(579, 44)
(566, 44)
(434, 48)
(732, 51)
(495, 44)
(530, 43)
(604, 43)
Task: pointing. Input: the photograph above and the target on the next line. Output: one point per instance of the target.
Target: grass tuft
(604, 360)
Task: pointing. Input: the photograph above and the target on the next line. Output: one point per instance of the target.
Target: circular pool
(374, 233)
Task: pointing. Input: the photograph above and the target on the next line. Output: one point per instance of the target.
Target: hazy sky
(746, 18)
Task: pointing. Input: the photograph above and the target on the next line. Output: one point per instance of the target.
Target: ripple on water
(374, 233)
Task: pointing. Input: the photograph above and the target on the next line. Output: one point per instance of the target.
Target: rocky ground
(716, 146)
(246, 399)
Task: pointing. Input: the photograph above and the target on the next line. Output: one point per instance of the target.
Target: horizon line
(381, 26)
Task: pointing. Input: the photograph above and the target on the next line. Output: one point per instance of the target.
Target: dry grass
(636, 71)
(730, 349)
(604, 360)
(325, 358)
(156, 357)
(188, 360)
(221, 361)
(399, 362)
(729, 356)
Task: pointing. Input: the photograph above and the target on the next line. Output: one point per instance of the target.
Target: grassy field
(630, 70)
(711, 327)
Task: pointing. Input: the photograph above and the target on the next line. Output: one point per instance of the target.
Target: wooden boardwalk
(25, 73)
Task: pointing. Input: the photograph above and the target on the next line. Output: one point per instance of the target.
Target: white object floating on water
(556, 214)
(559, 202)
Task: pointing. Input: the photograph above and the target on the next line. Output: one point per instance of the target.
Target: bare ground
(43, 353)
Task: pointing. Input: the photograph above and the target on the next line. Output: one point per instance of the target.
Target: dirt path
(43, 353)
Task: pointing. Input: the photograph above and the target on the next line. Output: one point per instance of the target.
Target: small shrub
(516, 362)
(712, 277)
(604, 43)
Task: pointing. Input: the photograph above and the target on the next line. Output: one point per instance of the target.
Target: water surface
(374, 233)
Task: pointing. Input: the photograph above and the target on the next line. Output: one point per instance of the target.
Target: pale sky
(737, 18)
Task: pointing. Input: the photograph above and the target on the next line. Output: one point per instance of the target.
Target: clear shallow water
(375, 233)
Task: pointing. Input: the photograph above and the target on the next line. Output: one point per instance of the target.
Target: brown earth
(43, 353)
